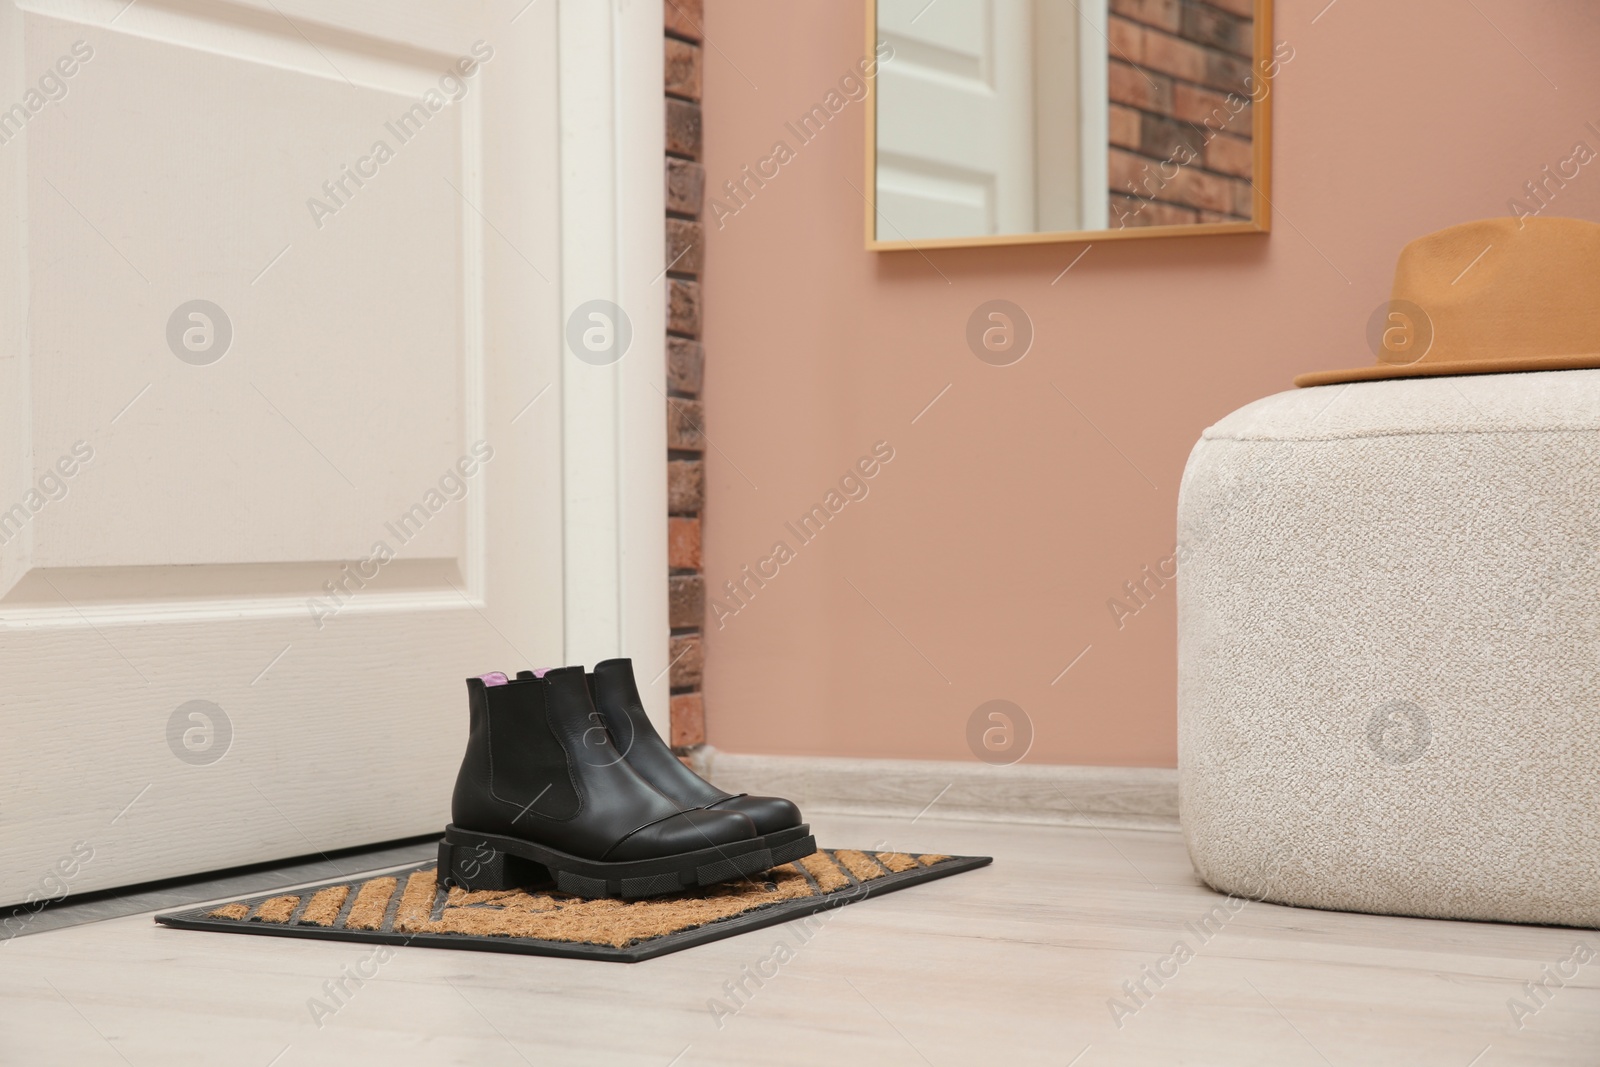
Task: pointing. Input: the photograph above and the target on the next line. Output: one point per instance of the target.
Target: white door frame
(1094, 125)
(614, 416)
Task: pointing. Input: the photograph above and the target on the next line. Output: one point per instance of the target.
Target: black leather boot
(616, 696)
(543, 796)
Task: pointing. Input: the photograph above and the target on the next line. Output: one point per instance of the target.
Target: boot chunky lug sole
(789, 845)
(475, 861)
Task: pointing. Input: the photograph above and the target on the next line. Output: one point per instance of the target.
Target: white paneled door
(282, 418)
(991, 117)
(955, 119)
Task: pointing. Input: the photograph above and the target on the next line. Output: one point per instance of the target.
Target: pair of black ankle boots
(566, 782)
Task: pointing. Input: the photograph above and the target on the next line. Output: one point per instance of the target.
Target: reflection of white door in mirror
(983, 128)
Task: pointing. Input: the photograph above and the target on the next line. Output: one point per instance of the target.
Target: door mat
(410, 907)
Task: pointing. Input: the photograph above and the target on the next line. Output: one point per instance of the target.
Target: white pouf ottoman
(1389, 648)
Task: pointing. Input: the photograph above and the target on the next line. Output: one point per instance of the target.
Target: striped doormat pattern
(410, 907)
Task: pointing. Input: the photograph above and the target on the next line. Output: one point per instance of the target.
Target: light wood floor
(1013, 964)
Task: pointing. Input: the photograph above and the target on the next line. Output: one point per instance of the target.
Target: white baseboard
(1112, 797)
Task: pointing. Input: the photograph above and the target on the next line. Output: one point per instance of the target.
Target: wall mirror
(1021, 121)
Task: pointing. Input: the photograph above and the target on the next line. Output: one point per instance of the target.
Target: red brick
(1130, 173)
(685, 418)
(1195, 188)
(1152, 92)
(683, 128)
(1230, 74)
(1214, 192)
(1126, 39)
(1164, 138)
(683, 306)
(684, 18)
(683, 543)
(686, 186)
(1161, 13)
(1229, 155)
(1127, 212)
(1217, 216)
(685, 365)
(1178, 58)
(1124, 126)
(1244, 198)
(1151, 179)
(1243, 8)
(685, 239)
(1212, 110)
(687, 664)
(685, 245)
(686, 486)
(1216, 29)
(688, 720)
(682, 69)
(686, 601)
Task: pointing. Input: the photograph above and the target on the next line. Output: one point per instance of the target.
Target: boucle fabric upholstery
(1389, 648)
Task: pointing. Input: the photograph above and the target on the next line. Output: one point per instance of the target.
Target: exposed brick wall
(1180, 148)
(685, 366)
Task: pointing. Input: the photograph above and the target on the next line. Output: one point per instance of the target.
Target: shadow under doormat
(409, 907)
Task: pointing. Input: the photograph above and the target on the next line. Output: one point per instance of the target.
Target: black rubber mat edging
(764, 916)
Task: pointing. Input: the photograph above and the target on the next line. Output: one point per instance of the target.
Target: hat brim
(1381, 371)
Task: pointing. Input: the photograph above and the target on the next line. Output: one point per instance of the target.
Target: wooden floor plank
(1022, 962)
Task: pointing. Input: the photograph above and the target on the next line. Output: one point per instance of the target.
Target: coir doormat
(410, 907)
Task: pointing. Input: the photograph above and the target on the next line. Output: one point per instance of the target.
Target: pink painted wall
(981, 560)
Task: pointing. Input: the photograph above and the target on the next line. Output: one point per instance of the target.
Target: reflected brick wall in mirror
(685, 179)
(1180, 148)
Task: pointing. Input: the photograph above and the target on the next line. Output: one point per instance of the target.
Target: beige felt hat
(1488, 297)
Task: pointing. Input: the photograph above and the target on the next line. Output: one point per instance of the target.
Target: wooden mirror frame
(1260, 168)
